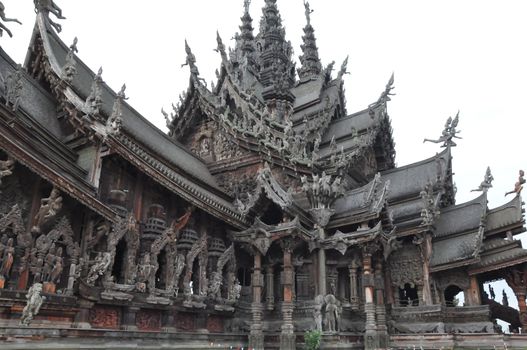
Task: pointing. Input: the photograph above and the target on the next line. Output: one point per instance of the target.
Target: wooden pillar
(322, 280)
(380, 308)
(354, 298)
(256, 338)
(287, 336)
(269, 287)
(517, 279)
(473, 295)
(371, 340)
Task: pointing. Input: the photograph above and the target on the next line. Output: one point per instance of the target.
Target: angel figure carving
(518, 186)
(49, 207)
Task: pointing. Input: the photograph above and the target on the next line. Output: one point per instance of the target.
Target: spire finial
(449, 133)
(311, 65)
(5, 19)
(309, 11)
(246, 5)
(487, 182)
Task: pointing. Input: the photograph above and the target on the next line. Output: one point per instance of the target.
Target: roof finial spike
(311, 66)
(487, 182)
(449, 133)
(5, 19)
(115, 122)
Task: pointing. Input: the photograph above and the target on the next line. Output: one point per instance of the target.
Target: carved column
(354, 298)
(380, 307)
(128, 321)
(322, 288)
(287, 337)
(368, 283)
(517, 280)
(269, 287)
(474, 294)
(256, 338)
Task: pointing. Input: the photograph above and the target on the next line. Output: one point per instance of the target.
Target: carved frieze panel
(105, 317)
(406, 266)
(148, 320)
(215, 324)
(185, 321)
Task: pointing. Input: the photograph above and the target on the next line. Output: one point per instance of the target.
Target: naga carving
(6, 19)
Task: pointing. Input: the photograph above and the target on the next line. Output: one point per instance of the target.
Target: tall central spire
(246, 40)
(276, 67)
(311, 65)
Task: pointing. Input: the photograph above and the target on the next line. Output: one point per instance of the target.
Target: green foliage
(312, 340)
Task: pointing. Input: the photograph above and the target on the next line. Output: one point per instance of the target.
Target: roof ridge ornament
(486, 184)
(5, 19)
(449, 133)
(191, 62)
(115, 122)
(344, 68)
(518, 186)
(94, 100)
(70, 66)
(49, 6)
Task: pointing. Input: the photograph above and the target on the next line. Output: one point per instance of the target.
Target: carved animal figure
(34, 303)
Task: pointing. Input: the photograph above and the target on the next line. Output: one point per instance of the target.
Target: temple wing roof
(459, 234)
(461, 218)
(134, 123)
(499, 253)
(409, 180)
(509, 216)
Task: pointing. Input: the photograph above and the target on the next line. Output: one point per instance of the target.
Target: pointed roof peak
(310, 60)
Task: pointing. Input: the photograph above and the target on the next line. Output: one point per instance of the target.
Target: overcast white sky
(447, 55)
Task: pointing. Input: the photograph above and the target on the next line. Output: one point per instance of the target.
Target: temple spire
(246, 38)
(311, 65)
(276, 66)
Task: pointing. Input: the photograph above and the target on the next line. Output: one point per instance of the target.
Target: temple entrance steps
(458, 341)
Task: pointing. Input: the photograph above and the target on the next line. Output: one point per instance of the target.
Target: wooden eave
(188, 189)
(26, 144)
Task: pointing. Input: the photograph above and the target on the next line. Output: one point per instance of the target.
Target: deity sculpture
(317, 312)
(34, 303)
(332, 313)
(101, 264)
(5, 19)
(7, 258)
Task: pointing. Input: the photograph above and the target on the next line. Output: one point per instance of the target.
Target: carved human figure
(49, 207)
(34, 303)
(504, 298)
(332, 312)
(317, 311)
(6, 168)
(7, 258)
(49, 261)
(57, 267)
